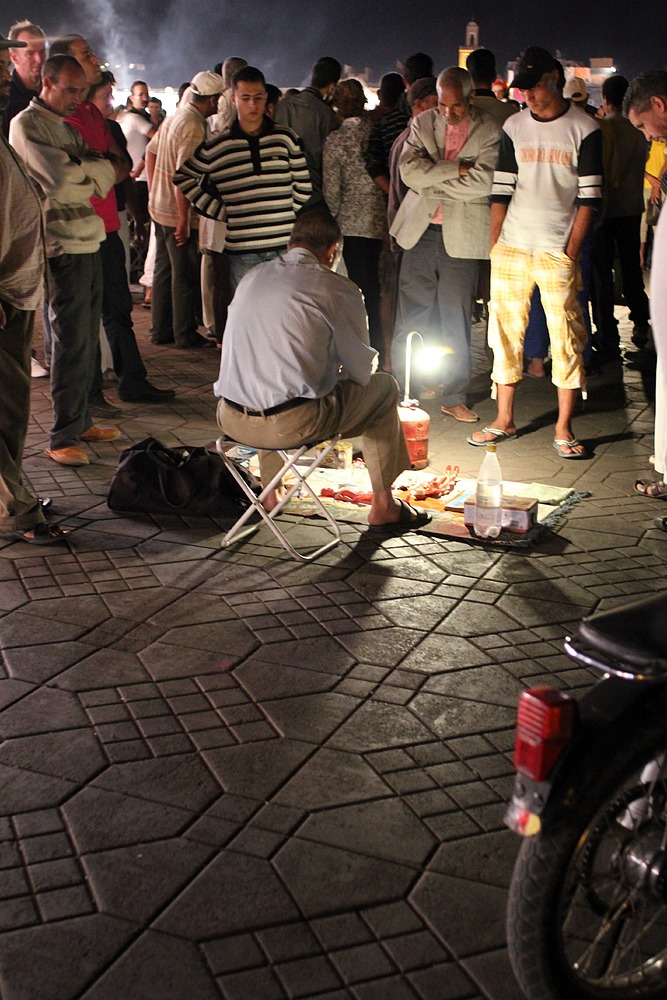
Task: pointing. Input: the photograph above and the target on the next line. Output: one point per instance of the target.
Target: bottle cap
(490, 447)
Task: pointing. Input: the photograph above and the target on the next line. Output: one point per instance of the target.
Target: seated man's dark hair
(613, 90)
(248, 74)
(417, 66)
(316, 229)
(481, 64)
(54, 66)
(326, 71)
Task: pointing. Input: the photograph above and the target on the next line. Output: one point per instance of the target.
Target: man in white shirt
(546, 191)
(292, 324)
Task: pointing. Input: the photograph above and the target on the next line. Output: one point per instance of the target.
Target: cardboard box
(519, 513)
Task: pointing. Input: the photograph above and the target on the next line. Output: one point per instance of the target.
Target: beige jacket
(466, 212)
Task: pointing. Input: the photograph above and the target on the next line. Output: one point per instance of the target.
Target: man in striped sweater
(254, 175)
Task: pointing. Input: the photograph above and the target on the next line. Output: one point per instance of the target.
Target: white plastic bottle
(489, 496)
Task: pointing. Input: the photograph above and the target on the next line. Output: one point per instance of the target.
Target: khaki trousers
(366, 411)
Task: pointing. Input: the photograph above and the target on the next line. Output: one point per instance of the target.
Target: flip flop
(560, 443)
(409, 520)
(644, 489)
(661, 522)
(498, 436)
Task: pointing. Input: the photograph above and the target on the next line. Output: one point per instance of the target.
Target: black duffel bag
(154, 479)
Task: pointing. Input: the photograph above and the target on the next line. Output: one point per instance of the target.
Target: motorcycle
(587, 910)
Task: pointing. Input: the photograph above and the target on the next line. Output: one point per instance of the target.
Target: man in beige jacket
(443, 227)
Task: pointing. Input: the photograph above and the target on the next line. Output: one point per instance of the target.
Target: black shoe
(196, 341)
(148, 393)
(162, 340)
(641, 335)
(103, 408)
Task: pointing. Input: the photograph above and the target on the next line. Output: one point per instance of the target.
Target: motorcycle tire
(587, 910)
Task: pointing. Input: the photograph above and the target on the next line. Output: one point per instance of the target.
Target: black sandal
(43, 534)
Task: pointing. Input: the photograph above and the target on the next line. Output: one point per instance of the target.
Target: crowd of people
(448, 202)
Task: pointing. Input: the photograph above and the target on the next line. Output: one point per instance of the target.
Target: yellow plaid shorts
(514, 274)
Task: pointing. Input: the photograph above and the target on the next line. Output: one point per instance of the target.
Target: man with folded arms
(292, 323)
(68, 173)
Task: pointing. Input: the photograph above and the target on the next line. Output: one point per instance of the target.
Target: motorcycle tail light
(544, 727)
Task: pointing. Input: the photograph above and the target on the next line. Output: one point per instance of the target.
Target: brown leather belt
(280, 408)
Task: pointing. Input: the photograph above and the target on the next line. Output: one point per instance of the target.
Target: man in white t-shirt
(546, 192)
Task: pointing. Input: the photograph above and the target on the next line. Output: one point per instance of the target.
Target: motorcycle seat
(633, 636)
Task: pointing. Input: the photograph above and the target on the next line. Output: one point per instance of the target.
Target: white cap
(575, 89)
(207, 84)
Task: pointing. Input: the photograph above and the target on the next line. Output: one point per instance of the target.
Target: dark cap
(6, 44)
(420, 89)
(533, 64)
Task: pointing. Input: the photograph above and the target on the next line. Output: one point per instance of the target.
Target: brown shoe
(100, 434)
(461, 413)
(68, 456)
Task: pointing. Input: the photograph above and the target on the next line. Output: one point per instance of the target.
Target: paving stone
(260, 984)
(382, 829)
(434, 655)
(384, 649)
(331, 777)
(57, 960)
(452, 907)
(323, 878)
(253, 896)
(23, 790)
(156, 965)
(375, 726)
(98, 819)
(40, 711)
(239, 951)
(258, 766)
(186, 783)
(483, 684)
(445, 981)
(362, 962)
(454, 717)
(341, 930)
(391, 986)
(311, 717)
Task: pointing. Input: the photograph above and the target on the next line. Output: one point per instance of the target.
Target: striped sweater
(256, 183)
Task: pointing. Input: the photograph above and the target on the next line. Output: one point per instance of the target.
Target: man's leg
(417, 298)
(241, 263)
(512, 285)
(627, 235)
(162, 330)
(457, 281)
(369, 412)
(558, 280)
(185, 283)
(20, 509)
(75, 299)
(117, 318)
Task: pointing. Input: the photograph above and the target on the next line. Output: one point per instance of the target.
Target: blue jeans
(241, 263)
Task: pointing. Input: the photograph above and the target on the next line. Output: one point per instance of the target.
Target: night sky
(176, 38)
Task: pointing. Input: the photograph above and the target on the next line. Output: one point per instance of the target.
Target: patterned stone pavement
(226, 775)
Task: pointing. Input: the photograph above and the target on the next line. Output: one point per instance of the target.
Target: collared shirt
(291, 324)
(177, 138)
(22, 256)
(455, 140)
(256, 182)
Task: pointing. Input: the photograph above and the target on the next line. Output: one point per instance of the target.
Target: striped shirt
(258, 183)
(175, 140)
(545, 171)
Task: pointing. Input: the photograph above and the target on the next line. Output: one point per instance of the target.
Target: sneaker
(100, 434)
(37, 370)
(73, 455)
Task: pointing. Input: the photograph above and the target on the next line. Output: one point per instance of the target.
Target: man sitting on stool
(292, 324)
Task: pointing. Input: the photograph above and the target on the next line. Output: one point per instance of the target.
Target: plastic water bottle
(489, 496)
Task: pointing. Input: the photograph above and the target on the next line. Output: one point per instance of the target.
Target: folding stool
(290, 458)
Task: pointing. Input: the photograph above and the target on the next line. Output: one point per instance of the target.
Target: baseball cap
(6, 44)
(207, 84)
(533, 64)
(575, 89)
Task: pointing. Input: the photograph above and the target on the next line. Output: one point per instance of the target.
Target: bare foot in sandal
(656, 491)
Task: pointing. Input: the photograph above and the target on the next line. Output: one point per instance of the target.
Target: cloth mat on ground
(554, 502)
